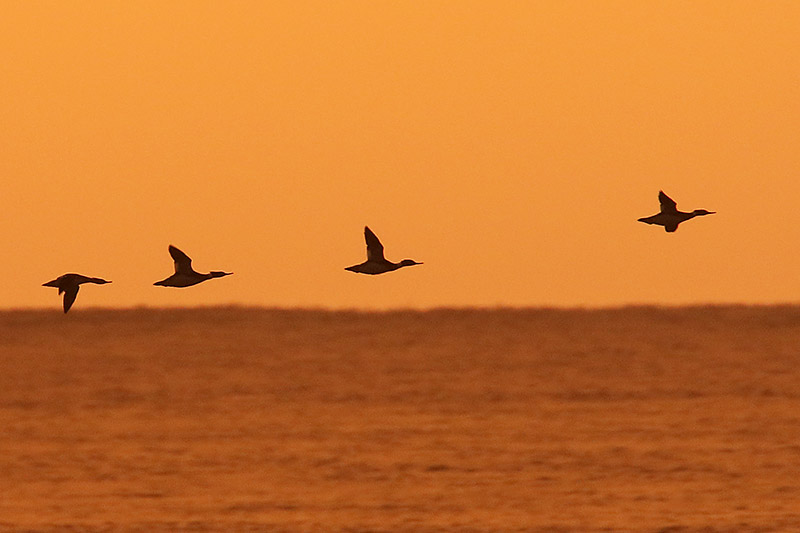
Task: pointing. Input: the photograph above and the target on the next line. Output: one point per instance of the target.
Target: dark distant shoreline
(364, 310)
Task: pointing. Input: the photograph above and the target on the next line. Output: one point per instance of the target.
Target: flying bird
(670, 217)
(69, 285)
(185, 275)
(376, 263)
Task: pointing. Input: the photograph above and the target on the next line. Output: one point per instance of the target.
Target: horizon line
(419, 309)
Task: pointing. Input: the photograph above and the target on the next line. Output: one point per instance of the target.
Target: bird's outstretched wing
(183, 263)
(374, 246)
(668, 205)
(70, 293)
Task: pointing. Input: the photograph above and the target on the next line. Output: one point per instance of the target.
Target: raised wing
(183, 263)
(668, 205)
(374, 246)
(70, 293)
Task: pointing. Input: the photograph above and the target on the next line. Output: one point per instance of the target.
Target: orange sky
(511, 146)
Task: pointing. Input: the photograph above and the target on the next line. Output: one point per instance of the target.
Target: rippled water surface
(640, 419)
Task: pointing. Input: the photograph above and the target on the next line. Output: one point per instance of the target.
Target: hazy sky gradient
(511, 146)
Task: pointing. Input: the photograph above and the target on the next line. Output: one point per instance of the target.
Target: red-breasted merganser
(376, 263)
(670, 217)
(185, 275)
(69, 285)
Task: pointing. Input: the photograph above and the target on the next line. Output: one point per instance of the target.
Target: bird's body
(185, 275)
(670, 217)
(69, 284)
(376, 263)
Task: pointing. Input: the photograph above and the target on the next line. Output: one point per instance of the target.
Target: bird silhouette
(670, 217)
(69, 284)
(376, 263)
(185, 275)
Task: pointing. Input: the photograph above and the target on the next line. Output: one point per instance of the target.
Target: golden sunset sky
(510, 146)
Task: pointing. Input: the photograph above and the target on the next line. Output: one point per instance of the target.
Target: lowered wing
(70, 293)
